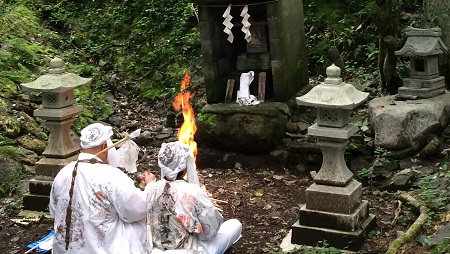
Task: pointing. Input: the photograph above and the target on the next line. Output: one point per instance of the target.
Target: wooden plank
(229, 91)
(261, 86)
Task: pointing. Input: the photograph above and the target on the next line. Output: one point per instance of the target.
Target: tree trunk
(387, 60)
(436, 13)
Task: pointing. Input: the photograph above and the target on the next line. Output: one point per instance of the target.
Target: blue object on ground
(31, 245)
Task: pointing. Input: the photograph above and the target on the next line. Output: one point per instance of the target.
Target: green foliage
(344, 24)
(13, 185)
(366, 174)
(433, 198)
(381, 153)
(442, 248)
(11, 152)
(22, 50)
(4, 141)
(210, 119)
(95, 107)
(152, 43)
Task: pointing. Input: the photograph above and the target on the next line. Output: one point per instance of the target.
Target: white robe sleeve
(130, 202)
(209, 217)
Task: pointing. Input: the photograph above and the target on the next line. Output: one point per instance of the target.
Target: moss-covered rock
(9, 126)
(29, 125)
(7, 88)
(10, 175)
(3, 106)
(34, 144)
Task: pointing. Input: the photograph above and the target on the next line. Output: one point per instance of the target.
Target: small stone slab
(35, 202)
(41, 187)
(334, 199)
(330, 133)
(351, 240)
(50, 167)
(336, 221)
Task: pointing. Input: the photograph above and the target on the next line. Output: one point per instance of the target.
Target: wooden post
(229, 91)
(262, 86)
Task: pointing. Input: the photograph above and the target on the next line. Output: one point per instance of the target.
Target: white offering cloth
(108, 211)
(244, 98)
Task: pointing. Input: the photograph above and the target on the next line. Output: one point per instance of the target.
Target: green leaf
(259, 193)
(266, 173)
(444, 166)
(424, 240)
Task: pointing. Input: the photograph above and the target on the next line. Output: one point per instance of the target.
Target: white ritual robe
(108, 211)
(189, 203)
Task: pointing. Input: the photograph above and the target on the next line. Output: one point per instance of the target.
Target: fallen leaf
(277, 177)
(259, 193)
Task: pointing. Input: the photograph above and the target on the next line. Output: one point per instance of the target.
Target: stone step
(40, 187)
(339, 221)
(35, 202)
(349, 240)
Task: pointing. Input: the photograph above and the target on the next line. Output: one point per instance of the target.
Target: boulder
(9, 126)
(7, 88)
(10, 174)
(34, 144)
(400, 125)
(255, 129)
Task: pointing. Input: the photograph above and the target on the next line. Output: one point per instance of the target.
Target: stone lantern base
(428, 88)
(335, 214)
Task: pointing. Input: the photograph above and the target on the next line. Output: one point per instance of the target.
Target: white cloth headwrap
(94, 135)
(174, 157)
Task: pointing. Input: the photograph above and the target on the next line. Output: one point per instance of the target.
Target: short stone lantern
(423, 47)
(334, 209)
(58, 112)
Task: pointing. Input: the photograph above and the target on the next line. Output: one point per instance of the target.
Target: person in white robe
(180, 214)
(99, 203)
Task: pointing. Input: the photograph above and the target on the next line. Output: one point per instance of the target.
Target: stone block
(34, 202)
(334, 199)
(59, 114)
(41, 187)
(330, 133)
(338, 221)
(51, 166)
(351, 240)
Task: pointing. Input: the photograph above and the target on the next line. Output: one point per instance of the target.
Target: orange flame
(182, 102)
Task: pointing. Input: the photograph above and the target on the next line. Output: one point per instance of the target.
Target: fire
(188, 128)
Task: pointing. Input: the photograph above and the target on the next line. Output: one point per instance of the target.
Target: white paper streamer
(228, 24)
(245, 24)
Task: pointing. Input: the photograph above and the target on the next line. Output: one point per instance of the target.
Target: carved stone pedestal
(335, 214)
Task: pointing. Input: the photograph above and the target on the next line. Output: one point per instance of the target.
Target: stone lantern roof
(422, 42)
(333, 93)
(58, 80)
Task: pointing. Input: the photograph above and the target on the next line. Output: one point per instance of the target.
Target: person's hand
(147, 177)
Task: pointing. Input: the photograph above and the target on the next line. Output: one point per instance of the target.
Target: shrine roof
(422, 42)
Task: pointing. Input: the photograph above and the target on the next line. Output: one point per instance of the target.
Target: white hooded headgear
(94, 135)
(174, 157)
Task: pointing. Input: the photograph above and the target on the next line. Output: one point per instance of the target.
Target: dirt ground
(266, 201)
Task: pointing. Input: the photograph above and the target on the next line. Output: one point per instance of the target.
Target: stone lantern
(423, 47)
(58, 112)
(334, 209)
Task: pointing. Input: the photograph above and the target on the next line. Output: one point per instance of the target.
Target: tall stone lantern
(334, 209)
(58, 112)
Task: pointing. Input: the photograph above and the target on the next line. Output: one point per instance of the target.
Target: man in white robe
(106, 211)
(180, 214)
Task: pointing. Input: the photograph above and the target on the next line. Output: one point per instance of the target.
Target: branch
(413, 229)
